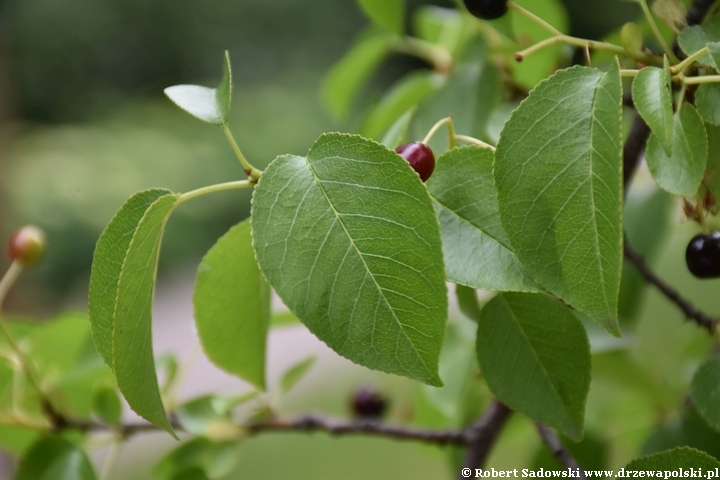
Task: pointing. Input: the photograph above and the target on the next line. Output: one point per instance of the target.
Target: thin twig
(559, 450)
(690, 311)
(634, 146)
(481, 435)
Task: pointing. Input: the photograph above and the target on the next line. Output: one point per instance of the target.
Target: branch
(306, 424)
(559, 450)
(634, 146)
(481, 435)
(690, 311)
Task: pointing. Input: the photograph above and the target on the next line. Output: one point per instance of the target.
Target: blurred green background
(84, 124)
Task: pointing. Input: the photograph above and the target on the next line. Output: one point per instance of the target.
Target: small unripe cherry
(26, 245)
(420, 157)
(368, 403)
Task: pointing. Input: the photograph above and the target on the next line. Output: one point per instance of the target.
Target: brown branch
(306, 424)
(634, 146)
(481, 435)
(559, 451)
(690, 311)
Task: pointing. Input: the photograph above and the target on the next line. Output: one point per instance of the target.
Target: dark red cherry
(487, 9)
(368, 403)
(703, 255)
(26, 245)
(420, 157)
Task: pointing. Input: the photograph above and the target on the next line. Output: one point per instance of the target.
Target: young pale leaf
(651, 95)
(54, 458)
(108, 259)
(558, 171)
(199, 415)
(476, 250)
(210, 105)
(106, 404)
(535, 355)
(406, 93)
(296, 373)
(682, 172)
(705, 392)
(217, 460)
(682, 457)
(121, 290)
(695, 38)
(707, 101)
(344, 81)
(232, 306)
(348, 238)
(388, 14)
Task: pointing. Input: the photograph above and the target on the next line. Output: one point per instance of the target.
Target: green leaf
(106, 404)
(705, 390)
(121, 291)
(707, 101)
(107, 265)
(296, 373)
(54, 458)
(388, 14)
(232, 306)
(651, 95)
(682, 172)
(216, 460)
(558, 171)
(535, 355)
(695, 38)
(211, 105)
(348, 238)
(683, 457)
(406, 93)
(201, 415)
(469, 95)
(398, 132)
(476, 250)
(647, 218)
(192, 473)
(468, 302)
(344, 81)
(433, 24)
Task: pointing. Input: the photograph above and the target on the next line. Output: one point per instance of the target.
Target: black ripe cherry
(368, 403)
(26, 245)
(420, 157)
(487, 9)
(703, 255)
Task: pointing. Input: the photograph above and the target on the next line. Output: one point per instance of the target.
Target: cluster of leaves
(361, 250)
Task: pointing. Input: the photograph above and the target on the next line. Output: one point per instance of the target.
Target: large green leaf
(682, 457)
(682, 172)
(705, 392)
(476, 250)
(558, 171)
(348, 238)
(697, 37)
(707, 101)
(54, 458)
(535, 355)
(344, 81)
(216, 459)
(651, 95)
(122, 286)
(232, 306)
(388, 14)
(210, 105)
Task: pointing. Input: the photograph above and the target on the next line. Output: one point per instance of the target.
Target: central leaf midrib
(362, 259)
